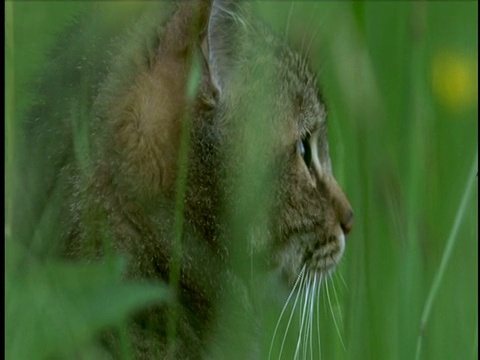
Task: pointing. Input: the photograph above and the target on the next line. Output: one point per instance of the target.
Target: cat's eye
(303, 148)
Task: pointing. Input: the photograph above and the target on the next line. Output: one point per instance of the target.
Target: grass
(447, 253)
(400, 80)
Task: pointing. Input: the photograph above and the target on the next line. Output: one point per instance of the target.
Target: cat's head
(260, 152)
(273, 120)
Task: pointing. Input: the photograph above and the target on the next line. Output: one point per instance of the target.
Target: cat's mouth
(325, 258)
(307, 252)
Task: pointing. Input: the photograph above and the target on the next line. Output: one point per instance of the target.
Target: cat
(197, 145)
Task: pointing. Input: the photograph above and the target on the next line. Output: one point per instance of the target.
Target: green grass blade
(447, 253)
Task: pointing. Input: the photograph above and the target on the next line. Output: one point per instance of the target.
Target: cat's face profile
(256, 172)
(267, 94)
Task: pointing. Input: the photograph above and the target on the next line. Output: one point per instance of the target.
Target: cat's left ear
(220, 41)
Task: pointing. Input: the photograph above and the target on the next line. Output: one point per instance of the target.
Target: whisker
(302, 281)
(308, 27)
(289, 16)
(309, 332)
(307, 317)
(339, 273)
(324, 297)
(336, 300)
(314, 35)
(300, 275)
(333, 315)
(313, 298)
(302, 318)
(343, 280)
(318, 317)
(234, 16)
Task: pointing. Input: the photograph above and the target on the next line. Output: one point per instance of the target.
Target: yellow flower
(454, 80)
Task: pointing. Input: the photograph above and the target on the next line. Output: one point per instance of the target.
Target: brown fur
(248, 189)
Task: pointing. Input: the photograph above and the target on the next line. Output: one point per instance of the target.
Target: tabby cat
(197, 146)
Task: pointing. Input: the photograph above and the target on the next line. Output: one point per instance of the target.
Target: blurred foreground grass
(400, 80)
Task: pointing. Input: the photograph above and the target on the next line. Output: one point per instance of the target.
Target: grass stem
(447, 253)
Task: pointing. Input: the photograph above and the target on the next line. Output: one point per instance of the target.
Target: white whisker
(343, 280)
(300, 276)
(324, 301)
(312, 313)
(318, 318)
(308, 318)
(289, 16)
(302, 317)
(333, 315)
(302, 281)
(308, 289)
(308, 27)
(312, 39)
(336, 300)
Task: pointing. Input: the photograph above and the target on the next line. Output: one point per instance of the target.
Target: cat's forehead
(304, 91)
(292, 86)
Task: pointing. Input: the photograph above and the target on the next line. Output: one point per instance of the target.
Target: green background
(400, 82)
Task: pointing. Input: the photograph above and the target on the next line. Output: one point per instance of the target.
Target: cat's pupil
(304, 150)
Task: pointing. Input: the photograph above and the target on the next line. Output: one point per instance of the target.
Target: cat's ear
(226, 22)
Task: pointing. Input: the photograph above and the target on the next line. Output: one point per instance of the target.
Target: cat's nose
(346, 221)
(341, 206)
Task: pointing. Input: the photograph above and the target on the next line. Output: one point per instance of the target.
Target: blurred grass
(401, 85)
(55, 309)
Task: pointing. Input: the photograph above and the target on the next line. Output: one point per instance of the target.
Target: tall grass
(400, 81)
